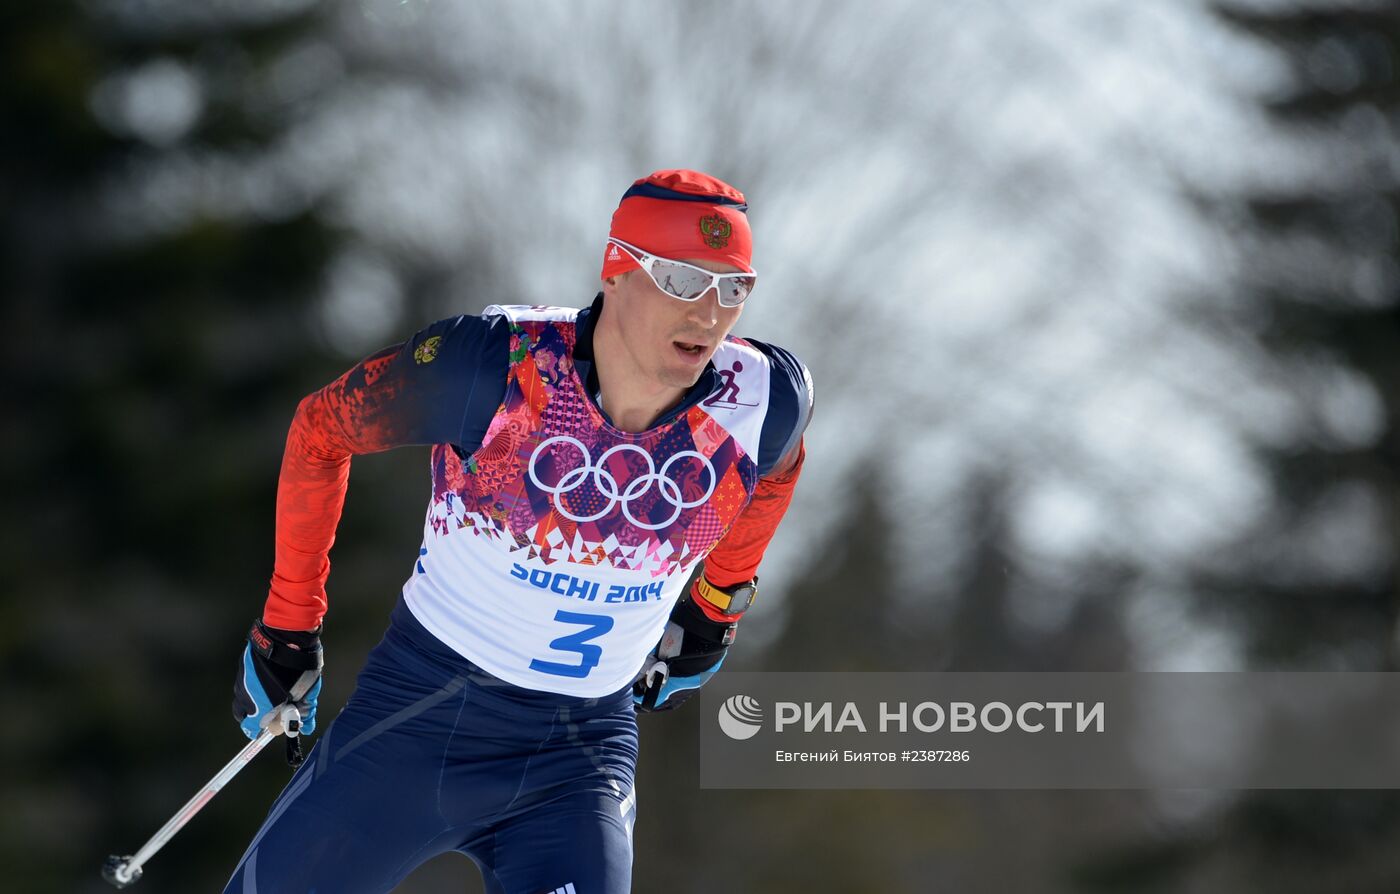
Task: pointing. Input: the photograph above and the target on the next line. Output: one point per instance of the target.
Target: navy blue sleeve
(442, 386)
(790, 400)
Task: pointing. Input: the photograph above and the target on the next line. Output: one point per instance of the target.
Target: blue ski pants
(432, 754)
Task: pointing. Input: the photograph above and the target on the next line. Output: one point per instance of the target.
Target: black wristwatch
(731, 601)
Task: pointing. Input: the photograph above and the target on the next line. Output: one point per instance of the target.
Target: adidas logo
(567, 889)
(613, 253)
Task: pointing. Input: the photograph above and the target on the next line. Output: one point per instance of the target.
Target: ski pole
(123, 871)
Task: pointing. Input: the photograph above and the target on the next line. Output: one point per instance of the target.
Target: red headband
(681, 214)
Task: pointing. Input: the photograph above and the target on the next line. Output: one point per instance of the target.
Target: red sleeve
(735, 559)
(311, 494)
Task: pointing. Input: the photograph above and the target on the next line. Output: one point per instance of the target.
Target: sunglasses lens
(734, 289)
(680, 281)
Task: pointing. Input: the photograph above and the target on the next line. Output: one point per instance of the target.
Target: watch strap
(732, 601)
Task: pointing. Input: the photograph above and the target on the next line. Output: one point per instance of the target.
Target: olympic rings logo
(608, 487)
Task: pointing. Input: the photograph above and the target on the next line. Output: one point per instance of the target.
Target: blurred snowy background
(1100, 299)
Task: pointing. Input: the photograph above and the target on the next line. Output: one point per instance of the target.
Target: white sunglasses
(688, 282)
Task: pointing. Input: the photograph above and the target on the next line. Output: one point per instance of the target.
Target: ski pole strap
(295, 758)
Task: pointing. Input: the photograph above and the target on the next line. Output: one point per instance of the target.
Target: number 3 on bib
(594, 627)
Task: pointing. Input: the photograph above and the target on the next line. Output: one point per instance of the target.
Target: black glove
(691, 650)
(273, 661)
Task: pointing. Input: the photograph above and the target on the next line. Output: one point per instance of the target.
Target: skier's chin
(680, 377)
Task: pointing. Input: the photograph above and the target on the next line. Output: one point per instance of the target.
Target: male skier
(584, 462)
